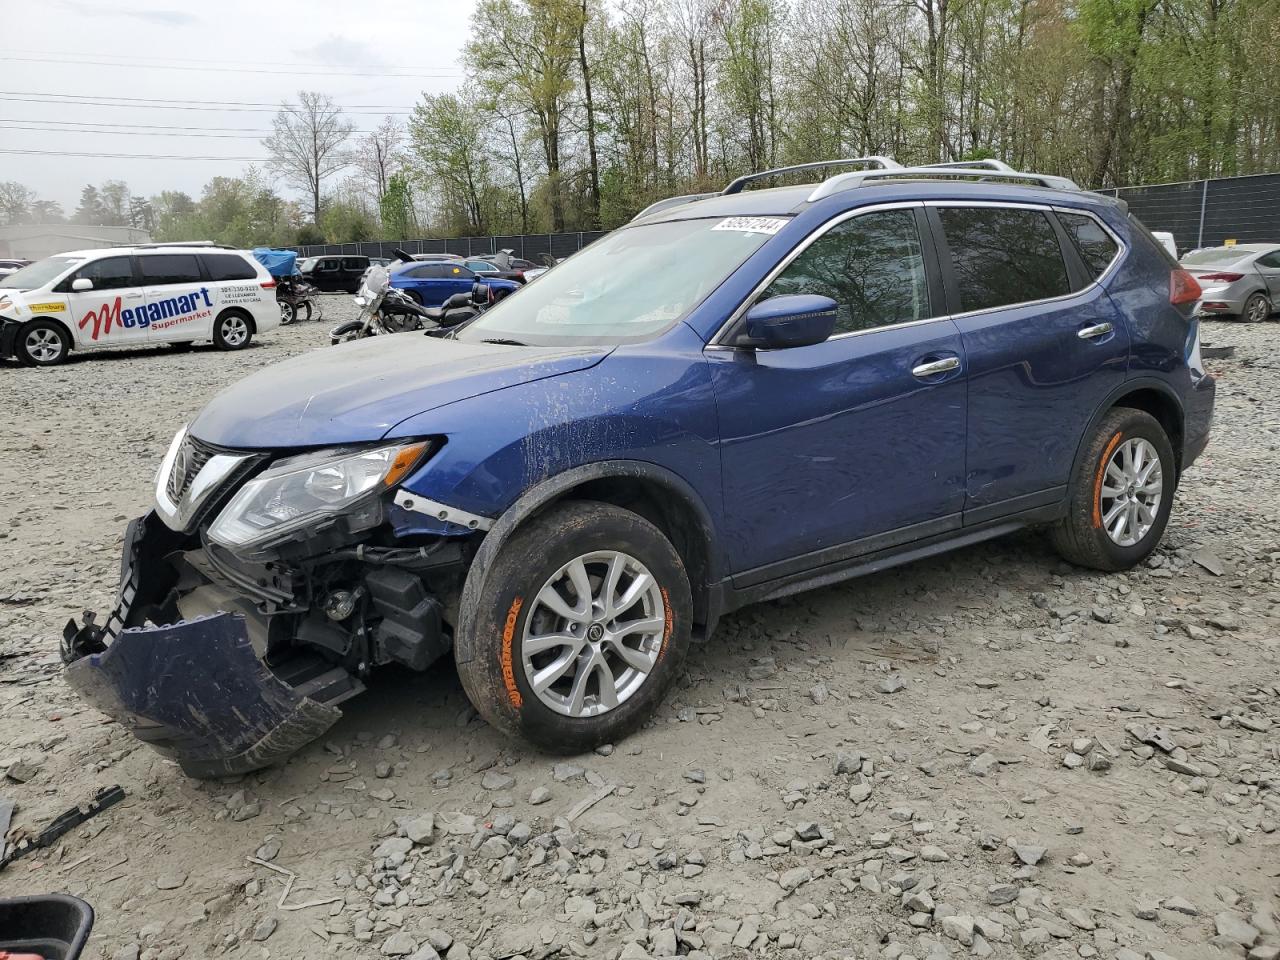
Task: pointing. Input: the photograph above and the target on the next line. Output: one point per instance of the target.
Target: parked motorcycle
(297, 299)
(384, 309)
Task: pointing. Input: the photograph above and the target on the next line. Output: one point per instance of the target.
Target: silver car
(1240, 281)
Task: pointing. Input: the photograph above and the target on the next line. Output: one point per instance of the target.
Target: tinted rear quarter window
(1094, 244)
(160, 268)
(228, 266)
(1002, 256)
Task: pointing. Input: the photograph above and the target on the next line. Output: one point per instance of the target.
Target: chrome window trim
(814, 235)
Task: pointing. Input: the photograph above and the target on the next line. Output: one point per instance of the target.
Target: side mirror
(793, 320)
(80, 284)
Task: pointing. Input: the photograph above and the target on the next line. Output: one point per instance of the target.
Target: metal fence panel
(1246, 209)
(1204, 213)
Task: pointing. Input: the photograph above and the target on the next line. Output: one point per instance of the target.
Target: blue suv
(731, 399)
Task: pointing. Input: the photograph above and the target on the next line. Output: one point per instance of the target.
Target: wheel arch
(1151, 396)
(660, 496)
(65, 325)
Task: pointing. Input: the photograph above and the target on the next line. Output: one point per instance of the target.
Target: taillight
(267, 284)
(1222, 277)
(1183, 288)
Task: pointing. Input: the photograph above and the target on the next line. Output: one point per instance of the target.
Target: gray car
(1240, 281)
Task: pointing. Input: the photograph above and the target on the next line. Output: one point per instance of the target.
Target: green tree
(396, 208)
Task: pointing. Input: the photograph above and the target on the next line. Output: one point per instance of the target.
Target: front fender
(464, 644)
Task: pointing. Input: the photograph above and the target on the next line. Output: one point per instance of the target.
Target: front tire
(232, 331)
(42, 343)
(1256, 309)
(1121, 494)
(583, 623)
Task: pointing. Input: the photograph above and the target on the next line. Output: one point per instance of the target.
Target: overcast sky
(375, 58)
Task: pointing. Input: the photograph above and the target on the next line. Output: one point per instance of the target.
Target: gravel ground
(988, 753)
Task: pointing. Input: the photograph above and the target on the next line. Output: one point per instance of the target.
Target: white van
(132, 297)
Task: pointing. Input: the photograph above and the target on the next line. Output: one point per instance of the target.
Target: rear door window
(1002, 256)
(355, 263)
(228, 266)
(1094, 244)
(872, 266)
(166, 268)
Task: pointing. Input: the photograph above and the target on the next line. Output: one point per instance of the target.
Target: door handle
(934, 367)
(1098, 330)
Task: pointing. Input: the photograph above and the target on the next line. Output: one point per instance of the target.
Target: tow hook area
(196, 691)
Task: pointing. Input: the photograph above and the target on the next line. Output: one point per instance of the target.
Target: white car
(134, 297)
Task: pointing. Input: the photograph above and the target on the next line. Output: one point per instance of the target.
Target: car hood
(358, 391)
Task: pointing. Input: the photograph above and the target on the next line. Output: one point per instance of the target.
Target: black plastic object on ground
(67, 822)
(55, 927)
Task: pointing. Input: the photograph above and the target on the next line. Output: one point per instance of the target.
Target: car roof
(784, 201)
(143, 251)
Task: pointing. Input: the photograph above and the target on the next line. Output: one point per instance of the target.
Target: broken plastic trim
(197, 693)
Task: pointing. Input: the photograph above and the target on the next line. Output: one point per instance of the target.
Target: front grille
(191, 458)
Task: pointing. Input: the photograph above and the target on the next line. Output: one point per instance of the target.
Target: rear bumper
(196, 690)
(1197, 418)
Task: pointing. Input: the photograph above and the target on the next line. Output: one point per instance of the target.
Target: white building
(35, 241)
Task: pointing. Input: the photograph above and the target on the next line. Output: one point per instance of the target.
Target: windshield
(625, 287)
(38, 274)
(1216, 255)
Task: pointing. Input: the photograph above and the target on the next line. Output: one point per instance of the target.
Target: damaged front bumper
(197, 692)
(196, 689)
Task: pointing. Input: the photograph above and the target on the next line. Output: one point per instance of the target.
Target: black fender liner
(539, 495)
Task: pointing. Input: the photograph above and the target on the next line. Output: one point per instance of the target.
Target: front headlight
(300, 491)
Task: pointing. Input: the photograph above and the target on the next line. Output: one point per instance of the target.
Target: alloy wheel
(1130, 494)
(234, 330)
(1259, 309)
(594, 633)
(287, 312)
(44, 345)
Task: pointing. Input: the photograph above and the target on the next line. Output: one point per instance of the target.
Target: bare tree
(379, 156)
(309, 143)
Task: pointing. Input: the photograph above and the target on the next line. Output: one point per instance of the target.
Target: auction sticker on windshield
(767, 225)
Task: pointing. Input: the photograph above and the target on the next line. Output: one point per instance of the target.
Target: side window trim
(1078, 275)
(723, 337)
(944, 254)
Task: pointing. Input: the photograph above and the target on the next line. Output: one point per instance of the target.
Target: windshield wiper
(503, 342)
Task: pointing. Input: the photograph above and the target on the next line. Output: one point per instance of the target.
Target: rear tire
(288, 313)
(233, 330)
(1116, 516)
(618, 661)
(1256, 309)
(42, 343)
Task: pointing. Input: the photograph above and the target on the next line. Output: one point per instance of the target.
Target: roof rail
(179, 243)
(885, 163)
(671, 202)
(847, 181)
(974, 165)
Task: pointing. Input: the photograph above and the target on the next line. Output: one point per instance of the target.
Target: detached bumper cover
(198, 694)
